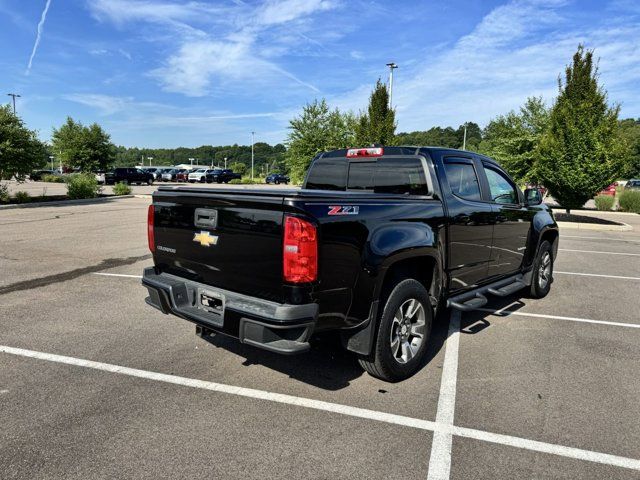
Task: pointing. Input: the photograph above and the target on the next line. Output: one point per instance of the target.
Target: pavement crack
(72, 274)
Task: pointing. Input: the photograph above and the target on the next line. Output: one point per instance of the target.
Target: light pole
(464, 138)
(14, 95)
(191, 160)
(392, 66)
(252, 142)
(225, 163)
(149, 158)
(51, 157)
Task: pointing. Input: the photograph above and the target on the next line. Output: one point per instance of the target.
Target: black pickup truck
(128, 175)
(376, 241)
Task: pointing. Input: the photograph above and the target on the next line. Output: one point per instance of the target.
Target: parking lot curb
(594, 226)
(58, 203)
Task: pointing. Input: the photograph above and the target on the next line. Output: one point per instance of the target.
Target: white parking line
(506, 313)
(596, 275)
(598, 251)
(563, 451)
(602, 238)
(440, 460)
(116, 275)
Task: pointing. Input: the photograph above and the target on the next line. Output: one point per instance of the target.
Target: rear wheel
(403, 333)
(542, 271)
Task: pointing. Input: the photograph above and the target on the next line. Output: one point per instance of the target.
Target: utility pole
(14, 95)
(464, 138)
(392, 66)
(252, 142)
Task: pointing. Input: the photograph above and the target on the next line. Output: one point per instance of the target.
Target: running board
(476, 298)
(475, 302)
(507, 289)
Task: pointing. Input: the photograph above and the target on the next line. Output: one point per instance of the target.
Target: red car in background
(610, 190)
(182, 175)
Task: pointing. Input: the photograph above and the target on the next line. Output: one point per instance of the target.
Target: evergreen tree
(581, 152)
(377, 125)
(20, 149)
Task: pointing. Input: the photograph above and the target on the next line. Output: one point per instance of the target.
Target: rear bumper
(280, 328)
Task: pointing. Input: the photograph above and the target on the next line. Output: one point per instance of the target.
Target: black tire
(277, 182)
(542, 277)
(382, 363)
(149, 181)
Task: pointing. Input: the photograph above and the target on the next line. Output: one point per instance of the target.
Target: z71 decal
(343, 210)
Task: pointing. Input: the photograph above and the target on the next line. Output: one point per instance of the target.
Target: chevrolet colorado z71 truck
(373, 244)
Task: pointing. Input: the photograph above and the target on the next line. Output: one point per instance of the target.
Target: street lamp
(14, 95)
(149, 158)
(51, 157)
(252, 142)
(392, 66)
(225, 163)
(191, 160)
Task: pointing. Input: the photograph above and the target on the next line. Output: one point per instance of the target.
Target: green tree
(86, 148)
(316, 130)
(20, 149)
(630, 134)
(581, 152)
(377, 125)
(238, 167)
(513, 139)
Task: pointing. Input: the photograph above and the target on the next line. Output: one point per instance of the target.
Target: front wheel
(542, 271)
(403, 333)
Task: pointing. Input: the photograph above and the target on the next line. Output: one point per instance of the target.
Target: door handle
(462, 218)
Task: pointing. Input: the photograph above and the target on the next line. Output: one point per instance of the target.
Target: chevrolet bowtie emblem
(205, 238)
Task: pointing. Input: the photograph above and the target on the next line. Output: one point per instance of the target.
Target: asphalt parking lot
(96, 384)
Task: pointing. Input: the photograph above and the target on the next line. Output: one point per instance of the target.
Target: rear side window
(328, 174)
(463, 180)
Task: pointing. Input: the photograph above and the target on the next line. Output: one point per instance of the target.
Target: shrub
(629, 201)
(121, 189)
(22, 197)
(82, 186)
(4, 193)
(604, 202)
(235, 181)
(53, 178)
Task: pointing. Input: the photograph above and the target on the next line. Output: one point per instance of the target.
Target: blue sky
(167, 73)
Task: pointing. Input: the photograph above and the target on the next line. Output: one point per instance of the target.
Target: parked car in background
(610, 190)
(169, 175)
(198, 175)
(221, 175)
(182, 175)
(128, 175)
(633, 184)
(277, 178)
(37, 175)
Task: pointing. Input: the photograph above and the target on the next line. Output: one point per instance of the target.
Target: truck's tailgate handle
(205, 217)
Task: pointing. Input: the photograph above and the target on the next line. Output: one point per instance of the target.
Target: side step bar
(476, 298)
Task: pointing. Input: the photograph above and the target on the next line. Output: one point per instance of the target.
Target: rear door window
(463, 180)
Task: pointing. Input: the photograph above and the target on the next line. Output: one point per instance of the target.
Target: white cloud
(517, 50)
(282, 11)
(106, 104)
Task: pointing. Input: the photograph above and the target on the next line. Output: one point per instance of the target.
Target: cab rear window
(385, 175)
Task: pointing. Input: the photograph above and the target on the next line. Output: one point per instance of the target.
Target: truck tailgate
(227, 239)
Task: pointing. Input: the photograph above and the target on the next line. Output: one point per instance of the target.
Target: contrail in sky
(39, 34)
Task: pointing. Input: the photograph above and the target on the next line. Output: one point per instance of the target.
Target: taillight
(300, 251)
(365, 152)
(150, 234)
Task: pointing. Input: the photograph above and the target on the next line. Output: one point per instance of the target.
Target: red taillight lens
(150, 234)
(300, 251)
(365, 152)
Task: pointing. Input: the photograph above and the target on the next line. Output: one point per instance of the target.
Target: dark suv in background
(277, 178)
(128, 175)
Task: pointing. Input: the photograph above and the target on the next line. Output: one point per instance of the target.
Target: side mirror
(532, 196)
